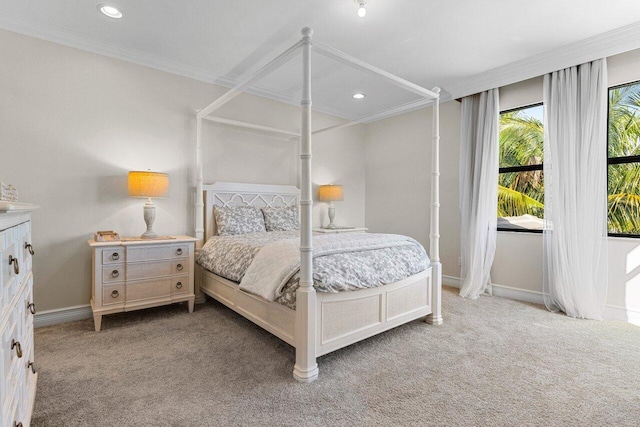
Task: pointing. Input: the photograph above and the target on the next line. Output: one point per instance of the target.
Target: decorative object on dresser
(132, 274)
(341, 230)
(8, 192)
(148, 184)
(331, 193)
(18, 375)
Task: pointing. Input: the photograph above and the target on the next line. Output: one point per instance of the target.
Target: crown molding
(607, 44)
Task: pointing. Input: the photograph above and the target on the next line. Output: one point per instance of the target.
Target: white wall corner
(62, 315)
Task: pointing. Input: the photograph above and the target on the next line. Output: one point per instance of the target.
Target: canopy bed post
(435, 318)
(306, 368)
(199, 182)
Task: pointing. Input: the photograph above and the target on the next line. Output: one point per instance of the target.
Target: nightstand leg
(97, 321)
(191, 302)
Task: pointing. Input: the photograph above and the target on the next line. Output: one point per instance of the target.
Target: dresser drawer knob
(115, 273)
(16, 424)
(32, 308)
(179, 251)
(14, 261)
(179, 285)
(115, 294)
(115, 256)
(16, 344)
(32, 366)
(29, 247)
(179, 267)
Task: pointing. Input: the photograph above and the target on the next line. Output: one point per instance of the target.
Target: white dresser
(17, 370)
(134, 274)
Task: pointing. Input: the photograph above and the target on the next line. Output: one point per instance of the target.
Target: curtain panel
(478, 191)
(575, 173)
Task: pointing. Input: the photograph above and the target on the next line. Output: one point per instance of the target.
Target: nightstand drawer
(180, 285)
(180, 267)
(111, 255)
(148, 289)
(148, 253)
(180, 251)
(113, 294)
(113, 273)
(148, 270)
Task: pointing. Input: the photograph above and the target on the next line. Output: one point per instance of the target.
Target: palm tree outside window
(624, 160)
(521, 178)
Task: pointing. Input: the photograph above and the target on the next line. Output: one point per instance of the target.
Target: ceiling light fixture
(361, 10)
(359, 95)
(110, 11)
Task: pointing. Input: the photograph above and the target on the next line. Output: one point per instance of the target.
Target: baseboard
(62, 315)
(615, 312)
(611, 312)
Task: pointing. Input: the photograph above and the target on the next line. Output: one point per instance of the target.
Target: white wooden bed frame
(321, 322)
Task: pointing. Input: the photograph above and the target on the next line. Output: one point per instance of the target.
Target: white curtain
(478, 191)
(575, 174)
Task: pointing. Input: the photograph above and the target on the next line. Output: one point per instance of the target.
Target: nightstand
(341, 230)
(131, 274)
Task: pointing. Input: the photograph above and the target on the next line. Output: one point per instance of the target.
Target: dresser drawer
(113, 294)
(180, 285)
(11, 334)
(148, 270)
(148, 253)
(148, 289)
(111, 255)
(113, 273)
(180, 251)
(180, 267)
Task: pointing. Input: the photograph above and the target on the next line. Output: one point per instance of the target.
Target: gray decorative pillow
(281, 219)
(238, 220)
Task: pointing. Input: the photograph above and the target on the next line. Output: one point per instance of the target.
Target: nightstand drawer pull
(32, 366)
(179, 285)
(115, 294)
(32, 308)
(16, 344)
(16, 424)
(115, 256)
(179, 251)
(16, 266)
(179, 267)
(28, 247)
(115, 273)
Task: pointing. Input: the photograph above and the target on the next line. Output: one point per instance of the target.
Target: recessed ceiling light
(110, 11)
(359, 95)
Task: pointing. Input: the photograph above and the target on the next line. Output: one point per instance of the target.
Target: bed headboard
(241, 194)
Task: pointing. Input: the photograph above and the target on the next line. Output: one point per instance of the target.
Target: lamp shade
(148, 184)
(330, 193)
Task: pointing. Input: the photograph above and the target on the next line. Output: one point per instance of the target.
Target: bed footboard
(348, 317)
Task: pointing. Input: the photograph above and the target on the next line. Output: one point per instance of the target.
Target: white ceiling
(430, 42)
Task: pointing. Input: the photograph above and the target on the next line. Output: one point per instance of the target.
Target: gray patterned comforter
(230, 257)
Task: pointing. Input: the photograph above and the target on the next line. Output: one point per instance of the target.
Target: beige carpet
(493, 362)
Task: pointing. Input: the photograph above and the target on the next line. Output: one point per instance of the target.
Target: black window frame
(526, 168)
(618, 160)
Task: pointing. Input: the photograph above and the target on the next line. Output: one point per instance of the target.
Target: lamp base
(149, 218)
(149, 235)
(332, 215)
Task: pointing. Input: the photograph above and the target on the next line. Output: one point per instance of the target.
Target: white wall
(72, 124)
(398, 165)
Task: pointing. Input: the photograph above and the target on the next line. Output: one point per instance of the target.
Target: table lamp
(331, 193)
(148, 184)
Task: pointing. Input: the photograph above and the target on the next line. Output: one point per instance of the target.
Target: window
(624, 160)
(520, 178)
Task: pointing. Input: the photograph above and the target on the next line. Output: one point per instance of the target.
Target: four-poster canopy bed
(321, 322)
